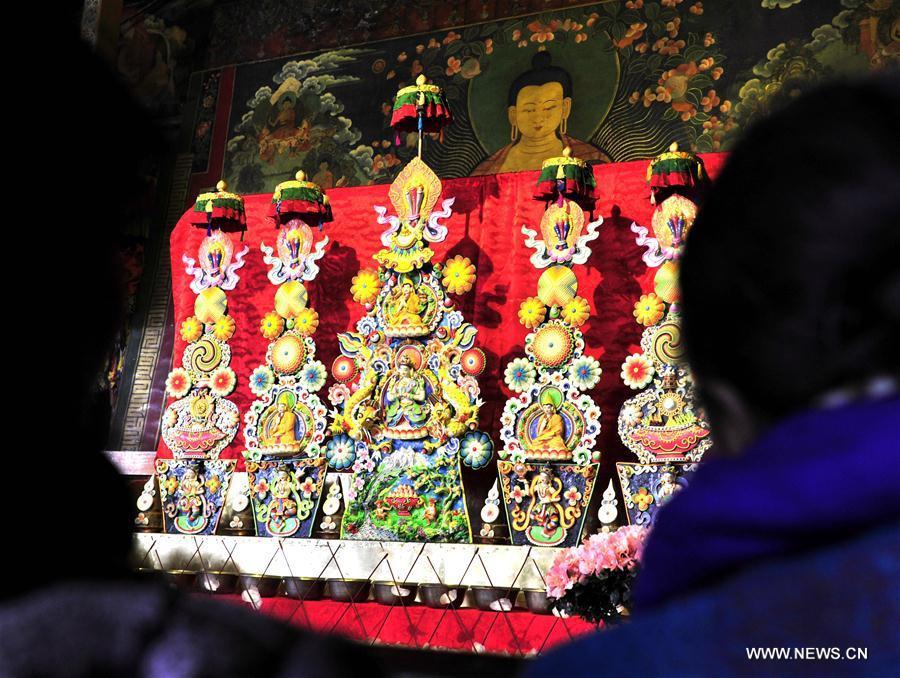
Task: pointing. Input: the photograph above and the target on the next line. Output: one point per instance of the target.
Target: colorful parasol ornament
(300, 199)
(220, 210)
(675, 169)
(420, 108)
(566, 177)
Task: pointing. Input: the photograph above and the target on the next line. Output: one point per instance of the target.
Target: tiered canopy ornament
(201, 421)
(300, 199)
(567, 178)
(549, 429)
(679, 171)
(408, 398)
(284, 429)
(421, 108)
(220, 210)
(662, 425)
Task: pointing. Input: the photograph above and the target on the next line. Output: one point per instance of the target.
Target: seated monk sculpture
(539, 104)
(549, 438)
(280, 427)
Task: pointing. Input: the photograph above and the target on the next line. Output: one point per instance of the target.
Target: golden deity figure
(539, 106)
(279, 425)
(546, 520)
(192, 502)
(548, 439)
(404, 306)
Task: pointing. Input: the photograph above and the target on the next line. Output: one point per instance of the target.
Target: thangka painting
(614, 81)
(647, 488)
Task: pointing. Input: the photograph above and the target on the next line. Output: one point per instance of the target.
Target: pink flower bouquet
(594, 580)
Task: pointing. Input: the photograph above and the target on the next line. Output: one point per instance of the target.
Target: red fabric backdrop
(486, 227)
(468, 629)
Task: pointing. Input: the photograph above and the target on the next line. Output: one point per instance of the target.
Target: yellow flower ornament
(649, 309)
(366, 286)
(272, 325)
(532, 312)
(459, 275)
(576, 312)
(306, 322)
(191, 329)
(223, 328)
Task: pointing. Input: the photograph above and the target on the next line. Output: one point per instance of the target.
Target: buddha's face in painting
(539, 110)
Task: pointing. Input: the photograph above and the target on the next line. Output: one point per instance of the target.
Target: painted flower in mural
(532, 312)
(261, 381)
(213, 484)
(476, 449)
(178, 383)
(261, 489)
(576, 312)
(307, 487)
(191, 329)
(637, 371)
(366, 286)
(649, 309)
(222, 381)
(272, 325)
(306, 321)
(517, 494)
(519, 375)
(585, 372)
(171, 484)
(340, 451)
(313, 375)
(223, 328)
(572, 495)
(459, 275)
(642, 499)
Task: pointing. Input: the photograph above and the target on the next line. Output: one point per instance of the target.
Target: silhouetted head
(791, 275)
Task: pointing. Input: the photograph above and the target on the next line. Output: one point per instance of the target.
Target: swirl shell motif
(205, 355)
(667, 345)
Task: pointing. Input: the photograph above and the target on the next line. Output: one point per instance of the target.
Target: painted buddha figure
(406, 397)
(548, 439)
(279, 426)
(539, 104)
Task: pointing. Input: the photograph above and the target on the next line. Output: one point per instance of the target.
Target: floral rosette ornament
(550, 426)
(407, 398)
(420, 108)
(594, 580)
(201, 421)
(646, 488)
(663, 422)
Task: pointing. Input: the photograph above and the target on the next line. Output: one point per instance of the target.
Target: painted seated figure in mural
(539, 105)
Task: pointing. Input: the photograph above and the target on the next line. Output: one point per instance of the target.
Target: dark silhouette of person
(73, 608)
(789, 534)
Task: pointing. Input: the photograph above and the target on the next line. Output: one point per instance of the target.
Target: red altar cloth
(488, 215)
(518, 632)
